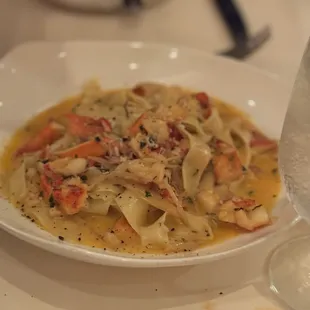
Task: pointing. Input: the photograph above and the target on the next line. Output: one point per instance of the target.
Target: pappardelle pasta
(150, 169)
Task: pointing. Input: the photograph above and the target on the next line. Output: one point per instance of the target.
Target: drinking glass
(288, 268)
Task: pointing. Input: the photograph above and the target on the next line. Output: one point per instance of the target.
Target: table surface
(34, 279)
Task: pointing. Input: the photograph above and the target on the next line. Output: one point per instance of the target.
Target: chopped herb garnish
(83, 178)
(61, 238)
(148, 194)
(189, 200)
(51, 201)
(142, 144)
(97, 139)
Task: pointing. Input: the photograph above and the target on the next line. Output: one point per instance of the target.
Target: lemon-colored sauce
(88, 229)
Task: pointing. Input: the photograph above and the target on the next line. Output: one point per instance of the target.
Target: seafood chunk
(204, 102)
(261, 142)
(227, 168)
(68, 195)
(157, 128)
(84, 150)
(71, 198)
(208, 200)
(85, 127)
(227, 164)
(68, 166)
(135, 127)
(49, 134)
(244, 213)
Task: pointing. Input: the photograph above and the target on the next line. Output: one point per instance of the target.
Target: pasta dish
(150, 169)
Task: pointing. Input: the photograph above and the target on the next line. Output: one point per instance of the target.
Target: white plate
(36, 75)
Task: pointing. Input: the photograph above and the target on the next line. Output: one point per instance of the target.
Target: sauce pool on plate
(151, 169)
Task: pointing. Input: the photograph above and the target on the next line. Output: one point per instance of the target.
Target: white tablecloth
(33, 279)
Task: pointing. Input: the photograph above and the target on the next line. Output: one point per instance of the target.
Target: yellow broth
(87, 229)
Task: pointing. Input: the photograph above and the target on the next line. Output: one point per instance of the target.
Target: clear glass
(288, 271)
(288, 267)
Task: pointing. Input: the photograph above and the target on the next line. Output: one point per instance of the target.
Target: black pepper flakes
(79, 239)
(61, 238)
(195, 172)
(148, 194)
(51, 201)
(97, 139)
(258, 206)
(142, 144)
(83, 178)
(126, 139)
(172, 229)
(142, 129)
